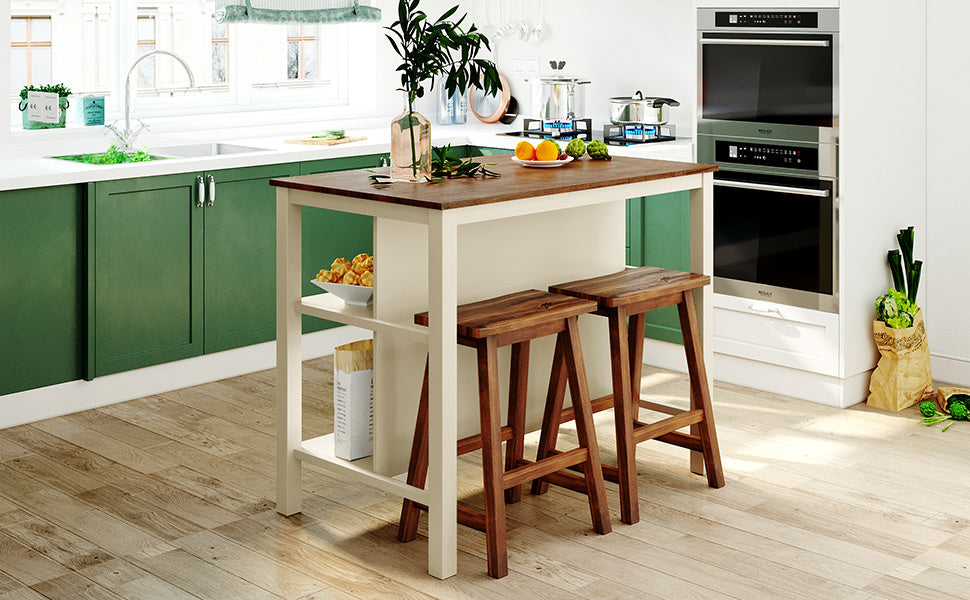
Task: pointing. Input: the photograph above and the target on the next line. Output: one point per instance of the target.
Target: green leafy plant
(446, 166)
(897, 308)
(60, 89)
(440, 48)
(112, 156)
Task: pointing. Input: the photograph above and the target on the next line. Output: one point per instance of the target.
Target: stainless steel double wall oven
(768, 115)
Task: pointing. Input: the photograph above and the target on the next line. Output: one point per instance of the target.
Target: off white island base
(437, 246)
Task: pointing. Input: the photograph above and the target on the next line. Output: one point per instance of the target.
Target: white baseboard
(74, 396)
(804, 385)
(950, 369)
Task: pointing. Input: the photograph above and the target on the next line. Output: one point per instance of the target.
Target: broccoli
(958, 411)
(927, 408)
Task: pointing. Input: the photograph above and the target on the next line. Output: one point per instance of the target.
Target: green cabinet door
(145, 272)
(41, 290)
(329, 234)
(240, 256)
(658, 234)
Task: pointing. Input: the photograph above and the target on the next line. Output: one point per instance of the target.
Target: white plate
(355, 295)
(542, 163)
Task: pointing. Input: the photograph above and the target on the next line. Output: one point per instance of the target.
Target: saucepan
(558, 97)
(629, 110)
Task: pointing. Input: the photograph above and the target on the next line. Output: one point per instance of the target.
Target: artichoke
(576, 148)
(927, 408)
(598, 150)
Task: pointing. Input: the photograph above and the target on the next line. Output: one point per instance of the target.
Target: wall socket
(525, 65)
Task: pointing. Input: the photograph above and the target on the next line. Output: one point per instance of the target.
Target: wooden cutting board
(325, 142)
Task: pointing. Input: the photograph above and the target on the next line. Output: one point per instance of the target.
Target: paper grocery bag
(902, 377)
(353, 400)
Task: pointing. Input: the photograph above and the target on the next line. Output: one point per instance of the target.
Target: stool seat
(515, 319)
(624, 298)
(514, 312)
(632, 285)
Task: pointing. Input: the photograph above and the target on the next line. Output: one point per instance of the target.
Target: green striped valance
(296, 11)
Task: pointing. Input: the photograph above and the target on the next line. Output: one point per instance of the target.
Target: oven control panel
(766, 155)
(793, 20)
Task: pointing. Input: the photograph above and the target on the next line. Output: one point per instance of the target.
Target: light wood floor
(171, 496)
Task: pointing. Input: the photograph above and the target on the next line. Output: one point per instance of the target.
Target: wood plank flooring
(171, 496)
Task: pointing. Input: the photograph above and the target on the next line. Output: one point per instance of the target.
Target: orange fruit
(525, 151)
(547, 150)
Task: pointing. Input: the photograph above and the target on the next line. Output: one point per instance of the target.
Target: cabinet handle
(212, 191)
(765, 310)
(766, 187)
(200, 196)
(757, 42)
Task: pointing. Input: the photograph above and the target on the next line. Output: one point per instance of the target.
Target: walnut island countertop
(515, 182)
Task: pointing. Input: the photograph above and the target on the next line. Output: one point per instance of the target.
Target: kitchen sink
(109, 158)
(201, 150)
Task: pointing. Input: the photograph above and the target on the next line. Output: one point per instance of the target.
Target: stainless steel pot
(558, 97)
(640, 110)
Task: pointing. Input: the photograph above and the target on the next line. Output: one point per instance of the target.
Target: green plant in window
(58, 88)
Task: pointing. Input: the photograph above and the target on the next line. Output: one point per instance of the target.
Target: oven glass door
(768, 78)
(775, 231)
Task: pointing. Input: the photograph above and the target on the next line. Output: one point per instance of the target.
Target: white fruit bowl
(354, 295)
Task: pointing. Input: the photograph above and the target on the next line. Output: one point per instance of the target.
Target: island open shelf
(332, 308)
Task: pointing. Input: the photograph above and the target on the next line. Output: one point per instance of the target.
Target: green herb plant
(60, 89)
(441, 48)
(444, 165)
(112, 156)
(897, 308)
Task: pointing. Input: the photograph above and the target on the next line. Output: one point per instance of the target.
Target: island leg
(289, 351)
(702, 261)
(443, 385)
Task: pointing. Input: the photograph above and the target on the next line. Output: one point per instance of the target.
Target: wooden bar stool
(624, 298)
(514, 319)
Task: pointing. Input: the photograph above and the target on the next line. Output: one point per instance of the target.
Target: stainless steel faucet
(127, 136)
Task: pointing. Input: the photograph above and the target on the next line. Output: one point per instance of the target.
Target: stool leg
(490, 413)
(518, 390)
(550, 417)
(623, 412)
(579, 390)
(635, 342)
(417, 467)
(700, 396)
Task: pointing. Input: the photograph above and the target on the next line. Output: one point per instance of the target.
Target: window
(30, 51)
(146, 43)
(90, 45)
(220, 52)
(301, 52)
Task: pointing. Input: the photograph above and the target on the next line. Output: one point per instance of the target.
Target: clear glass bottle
(460, 104)
(410, 147)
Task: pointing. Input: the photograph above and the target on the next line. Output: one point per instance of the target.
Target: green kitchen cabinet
(180, 265)
(41, 287)
(658, 234)
(329, 234)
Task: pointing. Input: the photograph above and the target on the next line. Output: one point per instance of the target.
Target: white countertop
(31, 169)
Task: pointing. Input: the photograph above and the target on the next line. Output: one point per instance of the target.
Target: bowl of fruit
(350, 280)
(546, 153)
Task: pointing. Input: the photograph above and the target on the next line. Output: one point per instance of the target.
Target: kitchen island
(440, 245)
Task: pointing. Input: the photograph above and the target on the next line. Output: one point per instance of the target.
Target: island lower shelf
(332, 308)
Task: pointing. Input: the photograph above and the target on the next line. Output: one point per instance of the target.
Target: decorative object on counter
(493, 107)
(546, 154)
(92, 110)
(902, 377)
(441, 48)
(324, 140)
(112, 156)
(57, 120)
(444, 165)
(276, 12)
(453, 108)
(353, 400)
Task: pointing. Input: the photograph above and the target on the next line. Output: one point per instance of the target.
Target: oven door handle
(765, 187)
(757, 42)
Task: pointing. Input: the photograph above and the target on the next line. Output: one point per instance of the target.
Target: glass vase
(410, 147)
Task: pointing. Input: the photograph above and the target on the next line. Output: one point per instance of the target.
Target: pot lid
(558, 76)
(638, 98)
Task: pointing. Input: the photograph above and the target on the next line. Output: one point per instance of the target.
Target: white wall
(947, 268)
(621, 46)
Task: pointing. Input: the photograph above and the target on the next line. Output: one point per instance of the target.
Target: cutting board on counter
(325, 142)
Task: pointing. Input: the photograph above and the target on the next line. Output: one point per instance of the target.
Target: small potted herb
(61, 90)
(429, 49)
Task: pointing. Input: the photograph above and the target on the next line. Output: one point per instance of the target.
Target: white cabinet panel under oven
(777, 334)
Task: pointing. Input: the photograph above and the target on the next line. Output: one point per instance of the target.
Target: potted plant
(902, 376)
(429, 49)
(62, 92)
